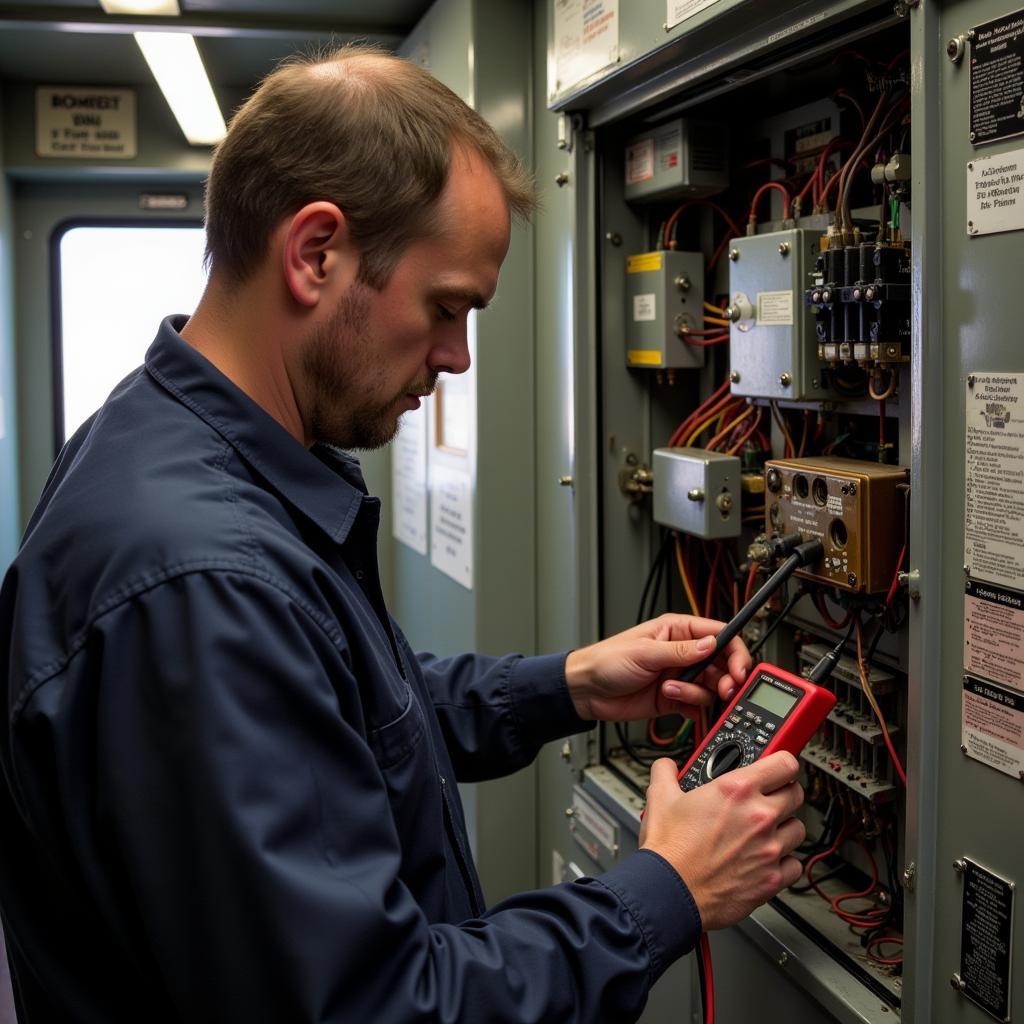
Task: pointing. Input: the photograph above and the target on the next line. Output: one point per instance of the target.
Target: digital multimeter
(774, 710)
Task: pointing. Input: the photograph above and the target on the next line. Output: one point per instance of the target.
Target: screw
(631, 459)
(815, 382)
(853, 487)
(974, 135)
(908, 876)
(783, 958)
(734, 376)
(970, 166)
(960, 866)
(695, 494)
(565, 481)
(569, 812)
(734, 254)
(785, 380)
(783, 248)
(561, 179)
(724, 503)
(682, 282)
(852, 579)
(970, 384)
(614, 237)
(963, 748)
(957, 983)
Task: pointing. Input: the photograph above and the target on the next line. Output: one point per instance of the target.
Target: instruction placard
(986, 939)
(586, 41)
(993, 725)
(451, 523)
(75, 122)
(995, 193)
(997, 79)
(677, 11)
(994, 490)
(994, 633)
(774, 309)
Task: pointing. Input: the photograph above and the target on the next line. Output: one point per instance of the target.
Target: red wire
(777, 186)
(709, 979)
(819, 603)
(709, 594)
(748, 593)
(715, 339)
(896, 577)
(694, 418)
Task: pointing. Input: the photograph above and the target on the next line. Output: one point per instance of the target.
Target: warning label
(997, 79)
(640, 162)
(994, 633)
(774, 308)
(994, 486)
(993, 725)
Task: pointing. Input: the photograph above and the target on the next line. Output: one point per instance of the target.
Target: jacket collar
(324, 483)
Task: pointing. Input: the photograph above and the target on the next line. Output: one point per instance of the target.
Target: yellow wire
(742, 416)
(777, 415)
(685, 578)
(700, 429)
(869, 693)
(718, 321)
(717, 310)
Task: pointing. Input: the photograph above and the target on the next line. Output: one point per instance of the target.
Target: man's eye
(445, 314)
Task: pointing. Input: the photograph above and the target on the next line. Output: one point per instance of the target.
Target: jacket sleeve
(496, 713)
(244, 821)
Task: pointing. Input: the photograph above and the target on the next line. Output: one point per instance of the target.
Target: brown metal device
(854, 508)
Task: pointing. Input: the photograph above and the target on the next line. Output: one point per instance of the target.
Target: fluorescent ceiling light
(140, 6)
(174, 60)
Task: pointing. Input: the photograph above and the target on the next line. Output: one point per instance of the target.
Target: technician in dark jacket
(230, 784)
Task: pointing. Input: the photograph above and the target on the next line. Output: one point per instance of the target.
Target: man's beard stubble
(346, 380)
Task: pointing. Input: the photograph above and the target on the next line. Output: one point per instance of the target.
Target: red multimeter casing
(774, 710)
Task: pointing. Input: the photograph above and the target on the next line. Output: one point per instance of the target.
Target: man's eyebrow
(465, 295)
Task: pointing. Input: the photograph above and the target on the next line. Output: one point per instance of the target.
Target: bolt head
(734, 254)
(785, 379)
(852, 579)
(963, 748)
(734, 376)
(783, 248)
(974, 135)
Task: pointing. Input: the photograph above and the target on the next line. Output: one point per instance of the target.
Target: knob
(774, 480)
(725, 758)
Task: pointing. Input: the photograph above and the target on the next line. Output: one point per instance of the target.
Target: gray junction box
(697, 492)
(772, 341)
(686, 159)
(664, 293)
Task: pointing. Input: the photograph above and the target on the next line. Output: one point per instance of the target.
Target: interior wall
(10, 521)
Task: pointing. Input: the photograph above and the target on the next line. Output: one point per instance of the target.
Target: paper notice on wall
(409, 481)
(993, 725)
(994, 633)
(994, 491)
(75, 122)
(586, 41)
(677, 11)
(451, 523)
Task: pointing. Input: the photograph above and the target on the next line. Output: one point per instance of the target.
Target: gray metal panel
(967, 326)
(10, 521)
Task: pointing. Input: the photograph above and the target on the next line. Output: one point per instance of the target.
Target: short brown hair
(358, 127)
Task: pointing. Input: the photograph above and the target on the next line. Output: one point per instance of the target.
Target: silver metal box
(664, 292)
(697, 492)
(773, 349)
(686, 159)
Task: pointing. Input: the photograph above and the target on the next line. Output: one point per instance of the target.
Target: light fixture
(140, 6)
(176, 65)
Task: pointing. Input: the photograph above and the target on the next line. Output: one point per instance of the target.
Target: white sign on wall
(586, 41)
(679, 10)
(76, 122)
(409, 481)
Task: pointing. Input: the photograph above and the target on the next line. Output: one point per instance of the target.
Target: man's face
(379, 352)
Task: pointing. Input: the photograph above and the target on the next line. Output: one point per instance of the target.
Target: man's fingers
(792, 833)
(687, 693)
(664, 773)
(792, 869)
(775, 771)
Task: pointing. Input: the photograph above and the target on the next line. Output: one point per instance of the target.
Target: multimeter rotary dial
(725, 758)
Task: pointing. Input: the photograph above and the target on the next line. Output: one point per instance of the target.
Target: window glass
(117, 284)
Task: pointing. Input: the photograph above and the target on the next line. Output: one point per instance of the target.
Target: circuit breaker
(773, 345)
(664, 300)
(681, 158)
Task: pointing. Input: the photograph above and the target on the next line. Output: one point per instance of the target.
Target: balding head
(368, 131)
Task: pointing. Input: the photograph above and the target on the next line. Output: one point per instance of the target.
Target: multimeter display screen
(772, 699)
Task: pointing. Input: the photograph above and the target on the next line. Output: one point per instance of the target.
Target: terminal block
(861, 299)
(664, 300)
(697, 492)
(772, 346)
(856, 509)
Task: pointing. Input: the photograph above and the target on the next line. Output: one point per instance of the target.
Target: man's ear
(318, 253)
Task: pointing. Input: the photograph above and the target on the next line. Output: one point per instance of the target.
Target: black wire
(800, 592)
(703, 987)
(655, 571)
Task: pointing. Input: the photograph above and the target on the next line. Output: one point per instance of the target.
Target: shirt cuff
(660, 903)
(540, 698)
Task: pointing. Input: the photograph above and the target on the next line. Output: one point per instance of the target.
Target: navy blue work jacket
(229, 783)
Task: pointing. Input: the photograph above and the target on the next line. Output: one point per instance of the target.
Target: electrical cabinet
(847, 307)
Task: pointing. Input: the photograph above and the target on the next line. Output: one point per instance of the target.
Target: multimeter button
(758, 720)
(729, 725)
(746, 725)
(750, 714)
(735, 718)
(763, 740)
(770, 726)
(739, 707)
(725, 758)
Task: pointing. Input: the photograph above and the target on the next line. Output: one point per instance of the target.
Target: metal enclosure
(597, 417)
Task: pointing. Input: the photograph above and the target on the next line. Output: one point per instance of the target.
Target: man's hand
(730, 839)
(633, 675)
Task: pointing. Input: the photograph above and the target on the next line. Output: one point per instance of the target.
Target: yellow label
(644, 357)
(643, 262)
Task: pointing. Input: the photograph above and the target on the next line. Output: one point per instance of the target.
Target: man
(230, 784)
